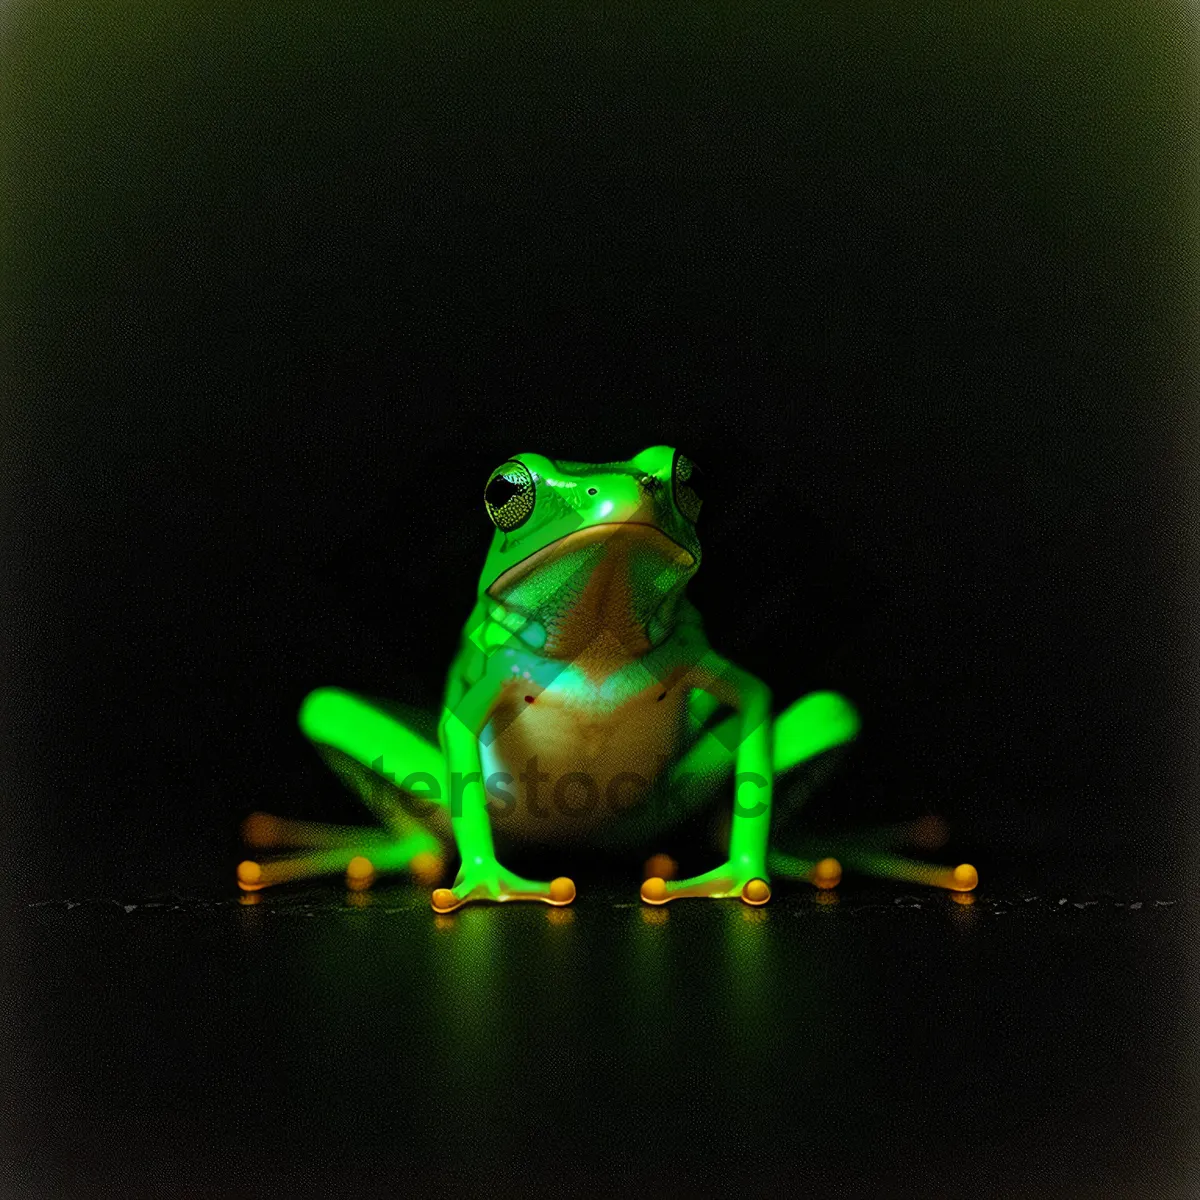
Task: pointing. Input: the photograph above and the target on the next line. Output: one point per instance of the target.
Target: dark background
(914, 285)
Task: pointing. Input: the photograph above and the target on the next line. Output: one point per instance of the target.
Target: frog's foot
(499, 886)
(963, 878)
(863, 859)
(724, 882)
(362, 854)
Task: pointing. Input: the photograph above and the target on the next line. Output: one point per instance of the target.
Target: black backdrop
(281, 283)
(282, 287)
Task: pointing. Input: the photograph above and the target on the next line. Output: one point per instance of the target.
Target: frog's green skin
(585, 674)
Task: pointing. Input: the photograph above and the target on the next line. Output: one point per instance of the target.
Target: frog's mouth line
(671, 550)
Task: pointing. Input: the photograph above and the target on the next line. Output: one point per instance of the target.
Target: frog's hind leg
(963, 878)
(812, 725)
(827, 872)
(872, 853)
(810, 729)
(798, 735)
(367, 748)
(360, 861)
(807, 729)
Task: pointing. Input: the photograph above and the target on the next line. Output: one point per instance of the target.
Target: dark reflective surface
(887, 1043)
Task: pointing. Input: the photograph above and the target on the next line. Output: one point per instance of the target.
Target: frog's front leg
(480, 876)
(744, 874)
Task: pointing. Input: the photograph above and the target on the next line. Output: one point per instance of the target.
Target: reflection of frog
(584, 707)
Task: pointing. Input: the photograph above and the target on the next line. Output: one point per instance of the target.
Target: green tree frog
(584, 708)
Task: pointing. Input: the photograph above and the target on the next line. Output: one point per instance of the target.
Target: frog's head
(613, 543)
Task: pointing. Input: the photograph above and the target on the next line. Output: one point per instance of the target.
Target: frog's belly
(574, 768)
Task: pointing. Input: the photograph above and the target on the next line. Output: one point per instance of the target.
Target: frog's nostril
(591, 491)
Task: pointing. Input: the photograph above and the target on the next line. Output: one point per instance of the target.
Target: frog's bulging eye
(508, 497)
(688, 482)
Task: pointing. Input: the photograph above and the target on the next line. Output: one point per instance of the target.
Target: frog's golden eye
(508, 496)
(688, 481)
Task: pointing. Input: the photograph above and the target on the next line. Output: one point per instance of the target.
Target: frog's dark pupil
(500, 491)
(697, 482)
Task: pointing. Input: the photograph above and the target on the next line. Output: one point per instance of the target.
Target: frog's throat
(673, 553)
(611, 610)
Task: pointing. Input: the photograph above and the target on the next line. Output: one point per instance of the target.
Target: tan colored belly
(573, 766)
